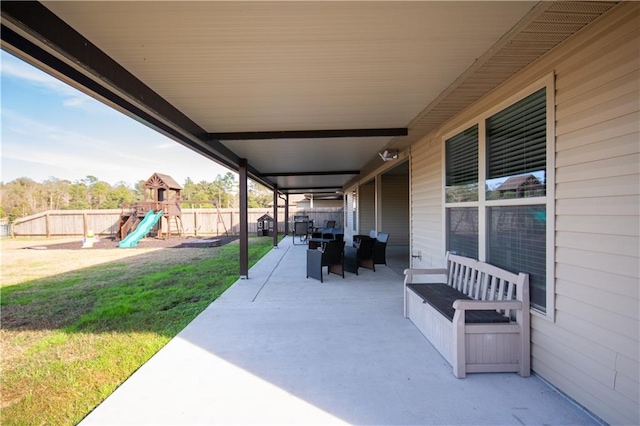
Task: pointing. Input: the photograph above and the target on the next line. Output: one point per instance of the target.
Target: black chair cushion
(441, 297)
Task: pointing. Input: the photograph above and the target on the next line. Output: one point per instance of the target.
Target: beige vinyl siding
(597, 223)
(395, 209)
(590, 350)
(367, 208)
(426, 203)
(597, 148)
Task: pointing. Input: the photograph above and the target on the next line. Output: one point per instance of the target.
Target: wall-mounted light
(388, 154)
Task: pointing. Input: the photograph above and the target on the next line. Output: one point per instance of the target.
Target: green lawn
(69, 340)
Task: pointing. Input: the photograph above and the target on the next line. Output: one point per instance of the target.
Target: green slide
(141, 230)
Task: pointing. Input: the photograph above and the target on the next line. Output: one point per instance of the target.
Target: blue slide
(141, 230)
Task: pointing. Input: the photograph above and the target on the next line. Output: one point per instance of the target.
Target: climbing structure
(161, 194)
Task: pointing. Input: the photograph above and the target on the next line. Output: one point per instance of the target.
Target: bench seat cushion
(441, 297)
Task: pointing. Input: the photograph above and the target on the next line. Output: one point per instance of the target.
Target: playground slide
(141, 230)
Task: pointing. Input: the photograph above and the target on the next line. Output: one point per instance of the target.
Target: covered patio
(283, 349)
(313, 98)
(364, 102)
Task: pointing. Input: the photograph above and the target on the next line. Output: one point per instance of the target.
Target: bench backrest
(482, 281)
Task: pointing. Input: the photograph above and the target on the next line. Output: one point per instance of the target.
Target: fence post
(195, 223)
(47, 224)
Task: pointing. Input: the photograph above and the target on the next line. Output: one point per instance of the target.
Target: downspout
(378, 203)
(286, 213)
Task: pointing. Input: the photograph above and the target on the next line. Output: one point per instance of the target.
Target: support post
(275, 216)
(244, 219)
(286, 215)
(85, 225)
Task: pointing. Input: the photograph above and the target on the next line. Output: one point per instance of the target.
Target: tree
(229, 187)
(55, 192)
(23, 196)
(20, 198)
(79, 196)
(98, 194)
(138, 191)
(258, 196)
(118, 196)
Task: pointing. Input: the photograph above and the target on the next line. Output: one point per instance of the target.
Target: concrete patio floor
(279, 348)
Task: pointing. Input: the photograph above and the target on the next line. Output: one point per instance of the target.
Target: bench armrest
(409, 273)
(485, 305)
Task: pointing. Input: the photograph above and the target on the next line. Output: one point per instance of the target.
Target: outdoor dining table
(314, 243)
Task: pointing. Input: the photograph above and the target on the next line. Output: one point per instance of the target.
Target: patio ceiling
(307, 92)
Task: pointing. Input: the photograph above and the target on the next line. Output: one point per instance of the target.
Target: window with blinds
(462, 166)
(516, 145)
(462, 231)
(507, 225)
(516, 241)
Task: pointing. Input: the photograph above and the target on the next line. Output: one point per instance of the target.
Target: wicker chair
(331, 256)
(361, 255)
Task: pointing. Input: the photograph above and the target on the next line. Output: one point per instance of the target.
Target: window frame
(483, 204)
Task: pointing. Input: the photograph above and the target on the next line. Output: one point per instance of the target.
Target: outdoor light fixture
(388, 155)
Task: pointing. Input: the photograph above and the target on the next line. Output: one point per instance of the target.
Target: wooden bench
(475, 314)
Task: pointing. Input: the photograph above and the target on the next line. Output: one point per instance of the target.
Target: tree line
(24, 196)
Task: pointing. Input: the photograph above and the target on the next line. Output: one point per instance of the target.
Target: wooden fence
(55, 223)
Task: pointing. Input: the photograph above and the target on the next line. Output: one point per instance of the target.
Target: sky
(49, 129)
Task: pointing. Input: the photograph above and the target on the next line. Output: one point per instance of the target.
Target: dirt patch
(25, 260)
(145, 243)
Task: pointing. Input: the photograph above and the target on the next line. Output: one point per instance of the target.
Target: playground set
(163, 196)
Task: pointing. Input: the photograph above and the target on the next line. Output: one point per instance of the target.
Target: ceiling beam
(329, 173)
(301, 189)
(309, 134)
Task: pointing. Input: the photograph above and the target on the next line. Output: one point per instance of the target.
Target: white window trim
(547, 82)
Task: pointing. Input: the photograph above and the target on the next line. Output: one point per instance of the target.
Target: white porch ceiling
(272, 66)
(235, 66)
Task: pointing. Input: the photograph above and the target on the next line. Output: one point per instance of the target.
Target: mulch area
(111, 243)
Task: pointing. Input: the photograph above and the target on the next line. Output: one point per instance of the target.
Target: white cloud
(167, 145)
(14, 68)
(75, 102)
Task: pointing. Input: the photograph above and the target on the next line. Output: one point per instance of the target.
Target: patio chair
(380, 249)
(331, 256)
(329, 224)
(360, 255)
(300, 231)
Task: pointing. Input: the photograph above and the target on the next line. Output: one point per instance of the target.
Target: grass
(69, 340)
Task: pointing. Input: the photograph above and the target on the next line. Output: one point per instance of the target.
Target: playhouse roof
(158, 180)
(515, 182)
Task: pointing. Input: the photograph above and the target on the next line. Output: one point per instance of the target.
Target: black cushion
(441, 297)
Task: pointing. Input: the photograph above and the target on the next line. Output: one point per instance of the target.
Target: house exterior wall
(426, 214)
(306, 204)
(367, 210)
(395, 209)
(590, 348)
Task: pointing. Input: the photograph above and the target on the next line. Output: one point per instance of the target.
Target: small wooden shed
(265, 226)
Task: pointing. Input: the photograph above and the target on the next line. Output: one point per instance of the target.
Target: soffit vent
(554, 24)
